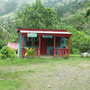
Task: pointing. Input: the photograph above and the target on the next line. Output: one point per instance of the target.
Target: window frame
(31, 42)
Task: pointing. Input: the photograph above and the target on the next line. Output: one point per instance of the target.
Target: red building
(45, 42)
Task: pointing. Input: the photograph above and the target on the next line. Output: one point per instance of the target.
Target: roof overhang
(45, 32)
(19, 29)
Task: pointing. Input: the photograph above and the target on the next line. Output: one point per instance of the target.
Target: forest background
(73, 15)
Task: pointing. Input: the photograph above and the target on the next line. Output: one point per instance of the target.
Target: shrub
(79, 40)
(11, 53)
(75, 51)
(30, 52)
(4, 52)
(7, 52)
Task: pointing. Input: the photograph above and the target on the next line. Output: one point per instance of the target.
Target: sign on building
(32, 35)
(47, 36)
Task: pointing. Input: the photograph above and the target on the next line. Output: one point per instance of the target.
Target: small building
(45, 42)
(14, 46)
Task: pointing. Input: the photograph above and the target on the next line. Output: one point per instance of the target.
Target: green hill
(10, 7)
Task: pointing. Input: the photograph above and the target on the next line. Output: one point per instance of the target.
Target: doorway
(43, 46)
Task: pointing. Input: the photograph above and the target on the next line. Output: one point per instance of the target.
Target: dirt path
(65, 78)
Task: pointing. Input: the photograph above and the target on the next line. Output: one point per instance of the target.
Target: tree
(4, 36)
(79, 39)
(86, 5)
(78, 22)
(2, 30)
(37, 17)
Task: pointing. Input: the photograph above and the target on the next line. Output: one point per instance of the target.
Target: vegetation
(52, 14)
(7, 52)
(79, 40)
(38, 16)
(29, 52)
(4, 52)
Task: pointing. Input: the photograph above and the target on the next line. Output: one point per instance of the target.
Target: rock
(84, 54)
(49, 86)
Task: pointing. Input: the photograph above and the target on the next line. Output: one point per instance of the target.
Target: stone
(49, 86)
(85, 54)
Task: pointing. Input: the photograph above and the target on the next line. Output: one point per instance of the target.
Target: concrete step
(46, 56)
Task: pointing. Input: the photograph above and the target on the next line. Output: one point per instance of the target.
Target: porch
(55, 46)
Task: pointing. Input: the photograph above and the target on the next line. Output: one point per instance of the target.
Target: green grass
(20, 61)
(38, 73)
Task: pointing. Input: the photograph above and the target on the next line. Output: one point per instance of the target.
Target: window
(32, 41)
(58, 41)
(36, 41)
(50, 42)
(28, 41)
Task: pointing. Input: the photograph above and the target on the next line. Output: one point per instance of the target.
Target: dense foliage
(37, 17)
(79, 40)
(7, 52)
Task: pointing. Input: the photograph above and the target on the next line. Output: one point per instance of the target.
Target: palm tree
(4, 31)
(86, 4)
(4, 37)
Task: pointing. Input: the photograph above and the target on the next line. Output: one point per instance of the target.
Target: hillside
(8, 8)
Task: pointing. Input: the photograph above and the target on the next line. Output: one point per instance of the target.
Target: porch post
(22, 45)
(68, 45)
(39, 44)
(54, 46)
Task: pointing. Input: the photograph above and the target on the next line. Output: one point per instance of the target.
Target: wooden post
(22, 45)
(69, 46)
(39, 44)
(60, 52)
(36, 53)
(54, 47)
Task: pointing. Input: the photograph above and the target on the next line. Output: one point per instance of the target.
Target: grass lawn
(45, 74)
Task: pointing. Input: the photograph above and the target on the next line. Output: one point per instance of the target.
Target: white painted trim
(49, 32)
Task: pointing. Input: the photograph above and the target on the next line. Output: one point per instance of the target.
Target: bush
(79, 40)
(4, 52)
(11, 53)
(30, 52)
(7, 52)
(75, 51)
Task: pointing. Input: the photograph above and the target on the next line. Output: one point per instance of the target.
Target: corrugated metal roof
(23, 29)
(49, 32)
